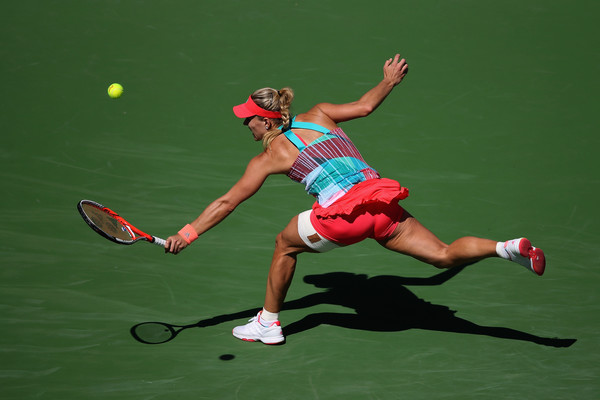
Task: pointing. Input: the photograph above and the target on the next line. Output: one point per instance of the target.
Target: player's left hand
(395, 69)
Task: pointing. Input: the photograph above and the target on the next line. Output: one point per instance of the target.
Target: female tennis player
(352, 201)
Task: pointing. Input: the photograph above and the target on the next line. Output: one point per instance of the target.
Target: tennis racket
(112, 226)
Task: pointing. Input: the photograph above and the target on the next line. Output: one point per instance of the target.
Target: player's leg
(288, 245)
(298, 236)
(411, 238)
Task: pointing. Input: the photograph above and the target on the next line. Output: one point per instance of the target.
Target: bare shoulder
(317, 115)
(280, 155)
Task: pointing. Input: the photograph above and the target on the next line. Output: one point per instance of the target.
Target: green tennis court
(493, 130)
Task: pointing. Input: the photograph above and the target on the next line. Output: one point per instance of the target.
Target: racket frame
(135, 233)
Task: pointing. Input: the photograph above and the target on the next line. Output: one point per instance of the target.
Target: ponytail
(275, 100)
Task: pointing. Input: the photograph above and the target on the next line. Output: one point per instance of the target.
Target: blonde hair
(275, 100)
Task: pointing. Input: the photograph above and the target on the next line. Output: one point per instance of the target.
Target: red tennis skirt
(370, 209)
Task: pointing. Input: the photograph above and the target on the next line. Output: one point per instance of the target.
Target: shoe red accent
(276, 323)
(538, 260)
(536, 256)
(524, 247)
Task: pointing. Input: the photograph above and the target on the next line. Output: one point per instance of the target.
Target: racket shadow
(380, 304)
(161, 332)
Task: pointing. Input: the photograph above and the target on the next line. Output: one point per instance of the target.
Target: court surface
(494, 132)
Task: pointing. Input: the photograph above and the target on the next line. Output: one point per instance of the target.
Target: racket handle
(158, 241)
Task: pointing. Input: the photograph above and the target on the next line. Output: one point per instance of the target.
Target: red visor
(249, 109)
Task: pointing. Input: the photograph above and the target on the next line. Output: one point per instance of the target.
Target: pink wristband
(188, 233)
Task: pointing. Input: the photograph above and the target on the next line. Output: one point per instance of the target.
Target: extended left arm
(394, 71)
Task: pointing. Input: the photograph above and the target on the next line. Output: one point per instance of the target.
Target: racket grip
(158, 241)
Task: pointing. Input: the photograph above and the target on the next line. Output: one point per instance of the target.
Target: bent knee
(280, 240)
(441, 259)
(283, 245)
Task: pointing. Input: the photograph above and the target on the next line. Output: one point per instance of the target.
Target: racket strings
(132, 230)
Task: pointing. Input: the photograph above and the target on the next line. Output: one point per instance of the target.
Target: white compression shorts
(310, 236)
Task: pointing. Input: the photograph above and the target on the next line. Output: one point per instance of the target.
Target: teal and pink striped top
(330, 165)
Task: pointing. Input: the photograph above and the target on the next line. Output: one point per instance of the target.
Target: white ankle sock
(501, 250)
(269, 316)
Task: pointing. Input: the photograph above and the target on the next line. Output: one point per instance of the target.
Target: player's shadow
(381, 303)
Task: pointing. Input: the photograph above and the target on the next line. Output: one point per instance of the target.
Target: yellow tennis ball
(115, 90)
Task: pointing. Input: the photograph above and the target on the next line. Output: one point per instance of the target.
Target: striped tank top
(329, 166)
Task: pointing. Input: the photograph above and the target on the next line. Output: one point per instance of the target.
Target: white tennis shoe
(522, 252)
(258, 330)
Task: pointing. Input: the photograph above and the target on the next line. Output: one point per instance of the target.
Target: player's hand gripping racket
(112, 226)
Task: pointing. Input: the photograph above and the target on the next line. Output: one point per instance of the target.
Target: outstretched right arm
(259, 168)
(394, 71)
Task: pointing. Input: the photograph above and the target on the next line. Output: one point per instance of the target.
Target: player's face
(257, 126)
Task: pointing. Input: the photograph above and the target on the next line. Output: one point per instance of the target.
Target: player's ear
(268, 123)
